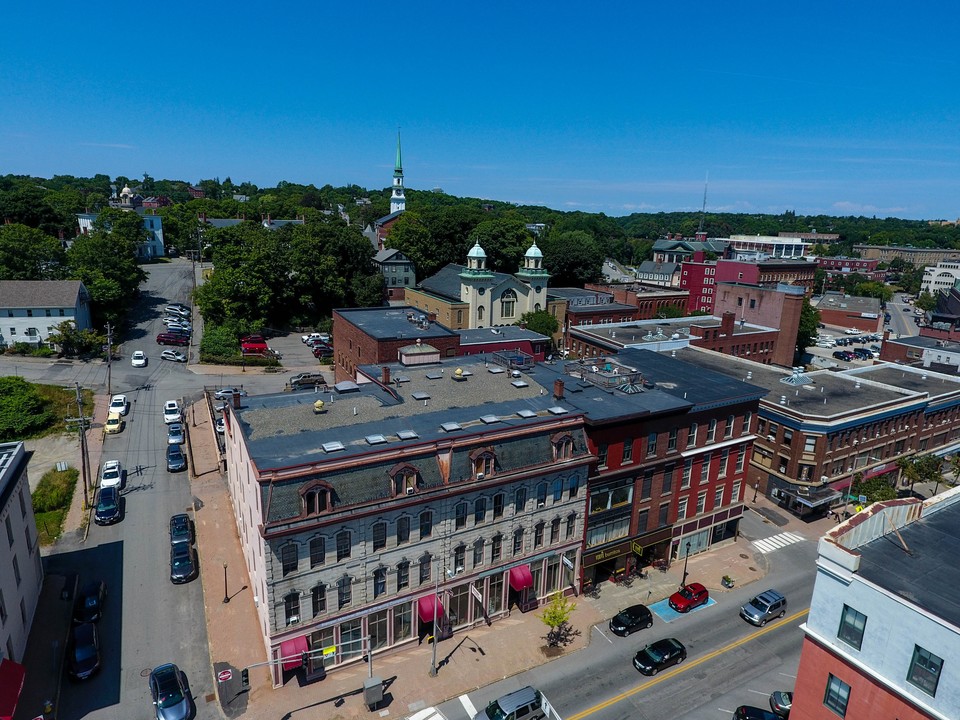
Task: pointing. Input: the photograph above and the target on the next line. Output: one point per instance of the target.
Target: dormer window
(562, 446)
(484, 463)
(406, 479)
(316, 499)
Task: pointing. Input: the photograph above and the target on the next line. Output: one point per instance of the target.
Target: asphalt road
(729, 662)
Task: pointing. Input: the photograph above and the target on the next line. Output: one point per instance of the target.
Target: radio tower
(703, 212)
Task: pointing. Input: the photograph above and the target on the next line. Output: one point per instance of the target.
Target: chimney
(385, 375)
(431, 317)
(558, 389)
(236, 401)
(726, 323)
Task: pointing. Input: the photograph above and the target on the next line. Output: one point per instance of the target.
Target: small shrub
(41, 352)
(50, 525)
(55, 490)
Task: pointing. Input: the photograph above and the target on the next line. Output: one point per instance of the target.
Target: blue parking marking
(666, 613)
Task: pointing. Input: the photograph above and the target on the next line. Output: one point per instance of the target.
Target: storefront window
(495, 595)
(319, 640)
(536, 571)
(351, 643)
(553, 574)
(402, 625)
(377, 623)
(459, 605)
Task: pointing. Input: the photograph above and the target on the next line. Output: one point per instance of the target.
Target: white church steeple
(398, 203)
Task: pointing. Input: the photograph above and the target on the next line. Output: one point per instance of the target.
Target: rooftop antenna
(703, 212)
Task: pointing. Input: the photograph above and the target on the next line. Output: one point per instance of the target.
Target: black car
(183, 563)
(84, 651)
(181, 529)
(108, 507)
(780, 702)
(169, 692)
(659, 656)
(748, 712)
(90, 599)
(176, 460)
(635, 617)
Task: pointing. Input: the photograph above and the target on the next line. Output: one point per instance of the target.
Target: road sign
(224, 675)
(636, 547)
(476, 593)
(862, 499)
(566, 562)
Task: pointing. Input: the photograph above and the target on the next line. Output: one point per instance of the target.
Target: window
(664, 515)
(519, 500)
(403, 575)
(628, 450)
(687, 467)
(652, 444)
(554, 530)
(379, 536)
(318, 599)
(459, 317)
(809, 443)
(718, 498)
(728, 428)
(852, 625)
(315, 500)
(518, 541)
(498, 501)
(460, 515)
(573, 487)
(724, 460)
(479, 511)
(647, 485)
(16, 570)
(459, 558)
(9, 531)
(343, 545)
(611, 496)
(478, 546)
(405, 481)
(3, 609)
(483, 465)
(403, 530)
(740, 456)
(705, 467)
(558, 490)
(571, 526)
(681, 509)
(787, 436)
(925, 670)
(288, 558)
(692, 435)
(672, 440)
(344, 592)
(496, 548)
(379, 582)
(701, 502)
(426, 524)
(538, 534)
(667, 486)
(508, 304)
(735, 495)
(291, 607)
(712, 431)
(318, 551)
(837, 695)
(425, 565)
(541, 494)
(602, 454)
(563, 448)
(23, 505)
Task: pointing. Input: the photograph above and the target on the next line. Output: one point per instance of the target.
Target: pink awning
(291, 651)
(425, 608)
(521, 578)
(11, 683)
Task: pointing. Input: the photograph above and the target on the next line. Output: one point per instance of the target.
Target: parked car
(90, 599)
(175, 434)
(659, 656)
(306, 380)
(863, 354)
(181, 529)
(765, 606)
(841, 355)
(168, 338)
(169, 693)
(119, 405)
(780, 702)
(748, 712)
(309, 337)
(635, 617)
(180, 306)
(84, 651)
(689, 597)
(227, 393)
(171, 412)
(176, 460)
(178, 310)
(114, 423)
(220, 425)
(175, 327)
(322, 351)
(183, 563)
(108, 507)
(138, 359)
(173, 356)
(111, 474)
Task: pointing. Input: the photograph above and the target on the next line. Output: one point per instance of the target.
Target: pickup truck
(322, 337)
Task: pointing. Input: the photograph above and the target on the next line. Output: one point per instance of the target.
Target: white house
(31, 310)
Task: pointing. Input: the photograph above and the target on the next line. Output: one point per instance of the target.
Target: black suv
(659, 656)
(181, 529)
(108, 507)
(635, 617)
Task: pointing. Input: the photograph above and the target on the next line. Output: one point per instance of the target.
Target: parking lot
(824, 356)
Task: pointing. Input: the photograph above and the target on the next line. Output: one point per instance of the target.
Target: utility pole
(109, 358)
(82, 422)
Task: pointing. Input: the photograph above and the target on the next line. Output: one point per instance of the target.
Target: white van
(524, 704)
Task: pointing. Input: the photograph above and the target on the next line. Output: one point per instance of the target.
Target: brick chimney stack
(558, 389)
(385, 375)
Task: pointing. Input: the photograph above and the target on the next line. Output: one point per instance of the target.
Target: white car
(171, 412)
(119, 405)
(111, 474)
(177, 311)
(138, 359)
(173, 320)
(228, 393)
(311, 336)
(219, 425)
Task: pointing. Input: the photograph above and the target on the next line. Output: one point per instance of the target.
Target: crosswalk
(775, 542)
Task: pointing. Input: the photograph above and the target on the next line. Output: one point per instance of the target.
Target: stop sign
(224, 675)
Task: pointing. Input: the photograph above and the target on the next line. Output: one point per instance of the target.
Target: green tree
(107, 266)
(540, 321)
(573, 258)
(29, 254)
(878, 290)
(504, 241)
(368, 290)
(876, 488)
(556, 616)
(807, 329)
(920, 468)
(926, 301)
(22, 409)
(410, 236)
(73, 341)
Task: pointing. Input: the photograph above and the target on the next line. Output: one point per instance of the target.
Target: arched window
(508, 304)
(479, 511)
(379, 582)
(562, 446)
(316, 499)
(478, 546)
(426, 524)
(518, 541)
(460, 515)
(379, 535)
(541, 494)
(426, 562)
(558, 489)
(459, 558)
(480, 313)
(288, 558)
(484, 463)
(318, 597)
(406, 479)
(291, 607)
(344, 591)
(343, 545)
(318, 551)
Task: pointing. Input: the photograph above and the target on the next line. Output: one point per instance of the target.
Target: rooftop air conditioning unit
(480, 476)
(411, 490)
(293, 619)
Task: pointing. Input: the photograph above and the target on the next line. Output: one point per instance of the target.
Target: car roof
(635, 610)
(113, 415)
(667, 642)
(696, 587)
(170, 405)
(770, 596)
(111, 464)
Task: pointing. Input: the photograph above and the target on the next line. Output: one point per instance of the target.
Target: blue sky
(841, 108)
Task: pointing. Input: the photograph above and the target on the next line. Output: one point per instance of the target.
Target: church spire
(398, 203)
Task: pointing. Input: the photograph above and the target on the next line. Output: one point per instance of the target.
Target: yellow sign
(637, 548)
(328, 651)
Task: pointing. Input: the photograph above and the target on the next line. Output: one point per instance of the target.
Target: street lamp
(685, 559)
(436, 602)
(226, 598)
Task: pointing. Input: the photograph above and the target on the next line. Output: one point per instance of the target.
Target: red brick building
(840, 265)
(700, 277)
(778, 307)
(650, 300)
(848, 311)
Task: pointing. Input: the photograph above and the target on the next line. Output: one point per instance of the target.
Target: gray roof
(446, 281)
(658, 268)
(504, 333)
(600, 307)
(850, 303)
(927, 575)
(40, 293)
(390, 323)
(565, 292)
(388, 218)
(385, 254)
(13, 462)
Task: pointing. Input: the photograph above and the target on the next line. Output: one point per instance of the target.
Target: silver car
(175, 434)
(169, 693)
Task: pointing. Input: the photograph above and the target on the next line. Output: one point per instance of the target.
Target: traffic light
(245, 678)
(304, 658)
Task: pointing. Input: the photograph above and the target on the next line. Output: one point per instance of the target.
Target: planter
(727, 582)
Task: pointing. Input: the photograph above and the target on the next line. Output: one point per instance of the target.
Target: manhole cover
(145, 673)
(744, 556)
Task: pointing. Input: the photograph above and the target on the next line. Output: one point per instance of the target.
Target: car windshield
(169, 696)
(654, 653)
(111, 473)
(759, 604)
(84, 651)
(687, 593)
(495, 712)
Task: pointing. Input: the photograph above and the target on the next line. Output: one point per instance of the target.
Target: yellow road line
(685, 666)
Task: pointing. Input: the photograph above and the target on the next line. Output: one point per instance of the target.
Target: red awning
(520, 577)
(292, 650)
(425, 608)
(11, 683)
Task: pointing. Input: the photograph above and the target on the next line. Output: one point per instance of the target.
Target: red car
(689, 597)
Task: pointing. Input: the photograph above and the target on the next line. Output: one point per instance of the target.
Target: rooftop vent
(420, 395)
(450, 426)
(489, 419)
(333, 446)
(520, 383)
(526, 413)
(557, 410)
(375, 439)
(407, 435)
(496, 370)
(796, 379)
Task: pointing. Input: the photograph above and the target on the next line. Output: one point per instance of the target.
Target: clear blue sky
(842, 108)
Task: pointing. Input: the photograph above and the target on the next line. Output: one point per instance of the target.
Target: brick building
(882, 632)
(773, 307)
(840, 265)
(700, 277)
(849, 311)
(915, 256)
(650, 300)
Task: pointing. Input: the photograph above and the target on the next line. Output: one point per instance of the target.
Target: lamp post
(226, 598)
(685, 559)
(436, 592)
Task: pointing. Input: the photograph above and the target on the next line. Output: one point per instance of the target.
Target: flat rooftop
(393, 323)
(848, 303)
(937, 386)
(641, 332)
(505, 333)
